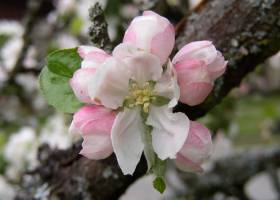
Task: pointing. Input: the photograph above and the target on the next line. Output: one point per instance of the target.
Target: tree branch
(229, 175)
(247, 32)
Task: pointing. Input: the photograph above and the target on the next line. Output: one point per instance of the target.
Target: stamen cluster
(140, 96)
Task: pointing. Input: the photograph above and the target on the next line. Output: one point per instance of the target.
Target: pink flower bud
(196, 150)
(194, 81)
(203, 51)
(153, 33)
(94, 123)
(79, 83)
(92, 57)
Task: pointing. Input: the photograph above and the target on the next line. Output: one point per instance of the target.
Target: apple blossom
(133, 82)
(203, 51)
(133, 79)
(92, 58)
(152, 33)
(134, 90)
(194, 81)
(94, 123)
(196, 149)
(198, 64)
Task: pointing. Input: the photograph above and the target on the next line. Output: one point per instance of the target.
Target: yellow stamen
(142, 96)
(146, 107)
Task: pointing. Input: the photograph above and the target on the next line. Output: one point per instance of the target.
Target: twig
(229, 175)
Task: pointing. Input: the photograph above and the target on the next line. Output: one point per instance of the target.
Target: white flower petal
(126, 139)
(170, 131)
(152, 33)
(125, 50)
(144, 67)
(167, 86)
(96, 146)
(110, 86)
(79, 83)
(93, 57)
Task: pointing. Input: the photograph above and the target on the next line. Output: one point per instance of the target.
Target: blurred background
(248, 119)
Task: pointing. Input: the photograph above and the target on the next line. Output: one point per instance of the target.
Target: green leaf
(159, 184)
(57, 92)
(160, 101)
(64, 62)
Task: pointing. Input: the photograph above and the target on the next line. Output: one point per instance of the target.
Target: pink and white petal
(126, 139)
(92, 57)
(130, 36)
(88, 63)
(82, 116)
(125, 50)
(101, 122)
(187, 165)
(168, 87)
(218, 66)
(141, 31)
(79, 83)
(73, 129)
(198, 146)
(195, 93)
(163, 43)
(94, 123)
(92, 52)
(111, 84)
(191, 71)
(200, 50)
(96, 146)
(144, 67)
(170, 131)
(152, 13)
(147, 32)
(92, 117)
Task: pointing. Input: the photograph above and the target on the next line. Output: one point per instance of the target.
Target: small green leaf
(64, 62)
(160, 101)
(159, 184)
(57, 92)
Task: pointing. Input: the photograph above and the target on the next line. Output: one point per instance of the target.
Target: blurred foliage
(248, 120)
(220, 117)
(255, 116)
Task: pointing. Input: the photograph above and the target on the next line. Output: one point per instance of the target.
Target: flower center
(140, 96)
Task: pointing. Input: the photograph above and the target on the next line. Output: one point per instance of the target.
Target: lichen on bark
(98, 30)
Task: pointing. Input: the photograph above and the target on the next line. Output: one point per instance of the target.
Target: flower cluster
(130, 95)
